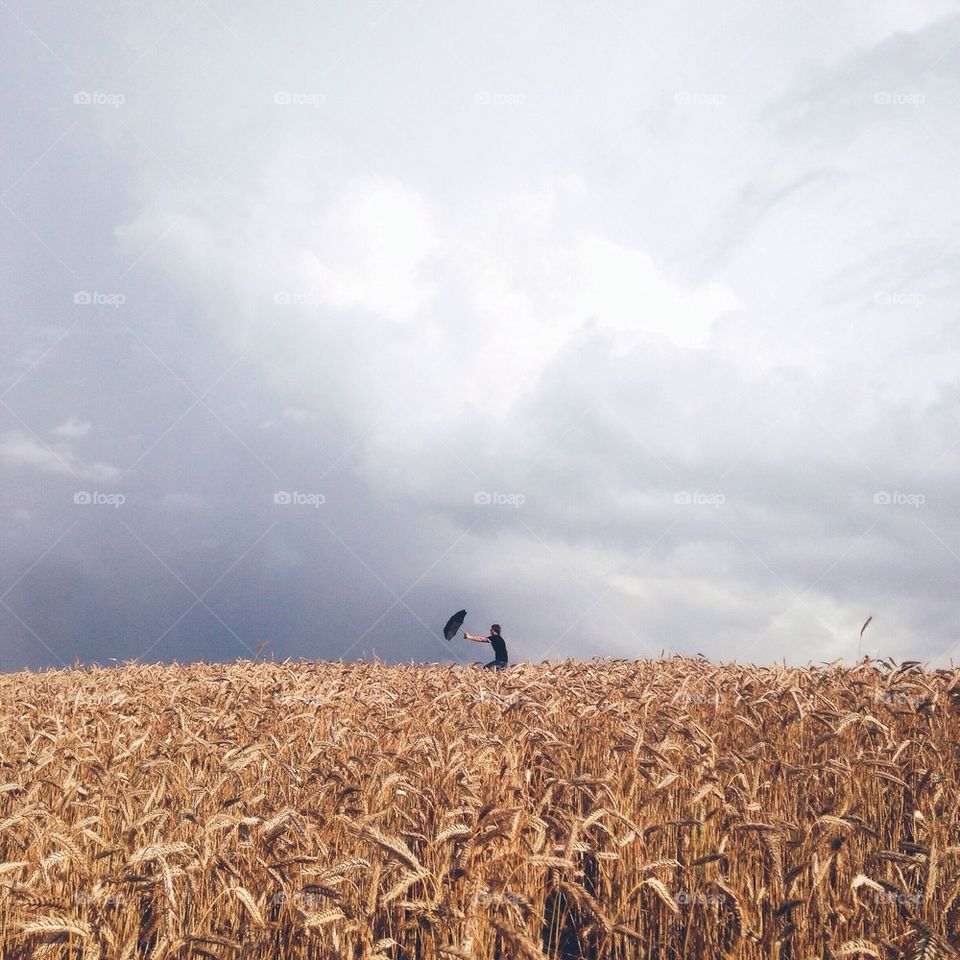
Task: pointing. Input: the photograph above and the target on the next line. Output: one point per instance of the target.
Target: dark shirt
(499, 647)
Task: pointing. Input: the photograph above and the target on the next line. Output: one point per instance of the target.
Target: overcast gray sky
(631, 326)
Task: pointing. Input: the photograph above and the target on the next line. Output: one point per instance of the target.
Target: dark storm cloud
(321, 326)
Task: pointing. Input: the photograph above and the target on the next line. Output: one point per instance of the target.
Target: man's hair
(495, 628)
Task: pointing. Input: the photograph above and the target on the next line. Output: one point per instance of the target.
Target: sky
(630, 326)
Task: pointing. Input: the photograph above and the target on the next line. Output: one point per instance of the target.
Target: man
(496, 641)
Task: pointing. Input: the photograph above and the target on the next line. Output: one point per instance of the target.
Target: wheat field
(616, 809)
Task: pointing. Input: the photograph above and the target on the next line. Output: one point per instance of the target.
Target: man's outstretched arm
(475, 638)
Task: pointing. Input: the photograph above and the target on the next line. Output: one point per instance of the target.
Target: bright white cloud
(73, 428)
(369, 250)
(19, 450)
(522, 276)
(626, 292)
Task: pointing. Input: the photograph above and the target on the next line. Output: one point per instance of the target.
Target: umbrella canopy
(454, 624)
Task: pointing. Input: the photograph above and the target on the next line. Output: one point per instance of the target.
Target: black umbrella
(454, 624)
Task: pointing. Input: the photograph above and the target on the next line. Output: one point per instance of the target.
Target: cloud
(370, 250)
(506, 343)
(656, 353)
(19, 450)
(487, 293)
(73, 428)
(628, 294)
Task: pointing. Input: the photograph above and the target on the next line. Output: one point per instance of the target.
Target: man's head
(495, 628)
